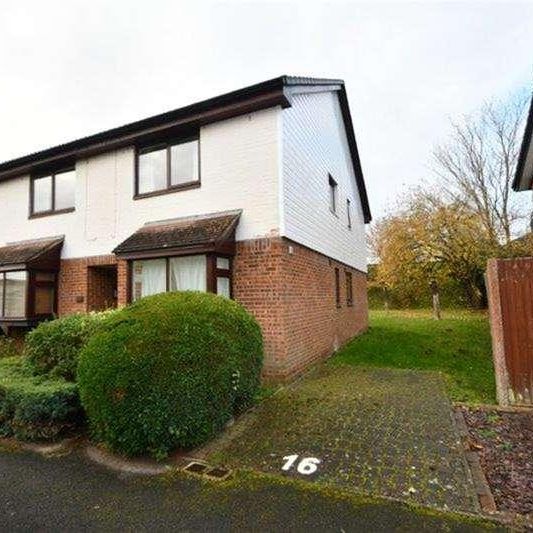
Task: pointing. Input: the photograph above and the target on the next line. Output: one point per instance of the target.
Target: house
(510, 290)
(256, 195)
(523, 180)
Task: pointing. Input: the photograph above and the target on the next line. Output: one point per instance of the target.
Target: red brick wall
(291, 291)
(314, 326)
(77, 289)
(287, 287)
(257, 274)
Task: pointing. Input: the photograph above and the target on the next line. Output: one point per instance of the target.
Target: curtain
(223, 287)
(149, 277)
(188, 273)
(1, 294)
(153, 171)
(15, 294)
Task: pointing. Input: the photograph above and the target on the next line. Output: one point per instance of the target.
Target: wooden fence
(510, 294)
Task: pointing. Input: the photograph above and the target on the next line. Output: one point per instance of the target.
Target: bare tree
(477, 165)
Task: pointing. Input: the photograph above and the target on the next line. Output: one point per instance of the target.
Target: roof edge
(354, 151)
(525, 148)
(215, 214)
(255, 94)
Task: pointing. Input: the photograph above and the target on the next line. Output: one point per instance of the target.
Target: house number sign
(306, 465)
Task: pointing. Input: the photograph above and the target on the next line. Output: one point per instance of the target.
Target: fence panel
(510, 293)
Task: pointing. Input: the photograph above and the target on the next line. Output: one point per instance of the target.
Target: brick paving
(379, 431)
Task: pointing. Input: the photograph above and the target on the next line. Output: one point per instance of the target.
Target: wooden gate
(510, 294)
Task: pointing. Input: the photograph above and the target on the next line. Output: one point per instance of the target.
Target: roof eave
(522, 181)
(254, 98)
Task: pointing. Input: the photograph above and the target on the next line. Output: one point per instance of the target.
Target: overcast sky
(73, 68)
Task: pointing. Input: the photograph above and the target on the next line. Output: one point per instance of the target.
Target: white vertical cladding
(315, 145)
(239, 170)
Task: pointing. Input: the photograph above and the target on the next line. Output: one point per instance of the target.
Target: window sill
(24, 322)
(52, 213)
(182, 187)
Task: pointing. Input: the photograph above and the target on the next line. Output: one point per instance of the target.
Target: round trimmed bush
(53, 347)
(169, 371)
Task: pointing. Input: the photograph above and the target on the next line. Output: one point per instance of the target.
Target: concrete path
(378, 431)
(73, 494)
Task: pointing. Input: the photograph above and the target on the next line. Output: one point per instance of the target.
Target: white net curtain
(187, 273)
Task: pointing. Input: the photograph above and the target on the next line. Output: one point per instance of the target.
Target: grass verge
(459, 346)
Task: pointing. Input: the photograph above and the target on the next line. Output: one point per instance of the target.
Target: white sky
(73, 68)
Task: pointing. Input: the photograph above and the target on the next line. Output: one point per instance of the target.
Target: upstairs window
(349, 213)
(53, 193)
(332, 194)
(168, 167)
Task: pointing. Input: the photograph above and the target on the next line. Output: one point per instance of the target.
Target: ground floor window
(27, 294)
(349, 289)
(182, 273)
(13, 290)
(223, 276)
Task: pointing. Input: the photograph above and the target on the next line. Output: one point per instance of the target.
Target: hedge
(36, 408)
(169, 371)
(53, 347)
(8, 346)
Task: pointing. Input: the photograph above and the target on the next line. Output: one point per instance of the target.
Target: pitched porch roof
(214, 232)
(39, 253)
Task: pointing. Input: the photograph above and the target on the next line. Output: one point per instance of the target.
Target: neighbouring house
(510, 295)
(256, 195)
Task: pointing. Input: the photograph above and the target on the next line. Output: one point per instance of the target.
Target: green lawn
(458, 345)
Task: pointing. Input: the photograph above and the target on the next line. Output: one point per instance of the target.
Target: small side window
(332, 194)
(337, 288)
(349, 289)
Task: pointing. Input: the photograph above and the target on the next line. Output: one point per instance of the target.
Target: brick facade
(289, 288)
(83, 285)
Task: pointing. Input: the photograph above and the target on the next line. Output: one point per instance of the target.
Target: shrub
(53, 347)
(8, 347)
(169, 371)
(35, 408)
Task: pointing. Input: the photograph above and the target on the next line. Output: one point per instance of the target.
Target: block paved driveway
(379, 431)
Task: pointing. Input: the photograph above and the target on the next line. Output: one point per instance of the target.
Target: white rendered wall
(239, 170)
(315, 144)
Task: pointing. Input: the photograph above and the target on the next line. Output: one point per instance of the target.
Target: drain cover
(201, 469)
(196, 468)
(218, 473)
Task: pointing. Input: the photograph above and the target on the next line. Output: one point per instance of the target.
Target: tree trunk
(436, 299)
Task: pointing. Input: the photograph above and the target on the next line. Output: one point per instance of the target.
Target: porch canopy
(202, 234)
(40, 254)
(28, 282)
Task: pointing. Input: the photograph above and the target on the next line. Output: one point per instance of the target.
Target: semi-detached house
(256, 195)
